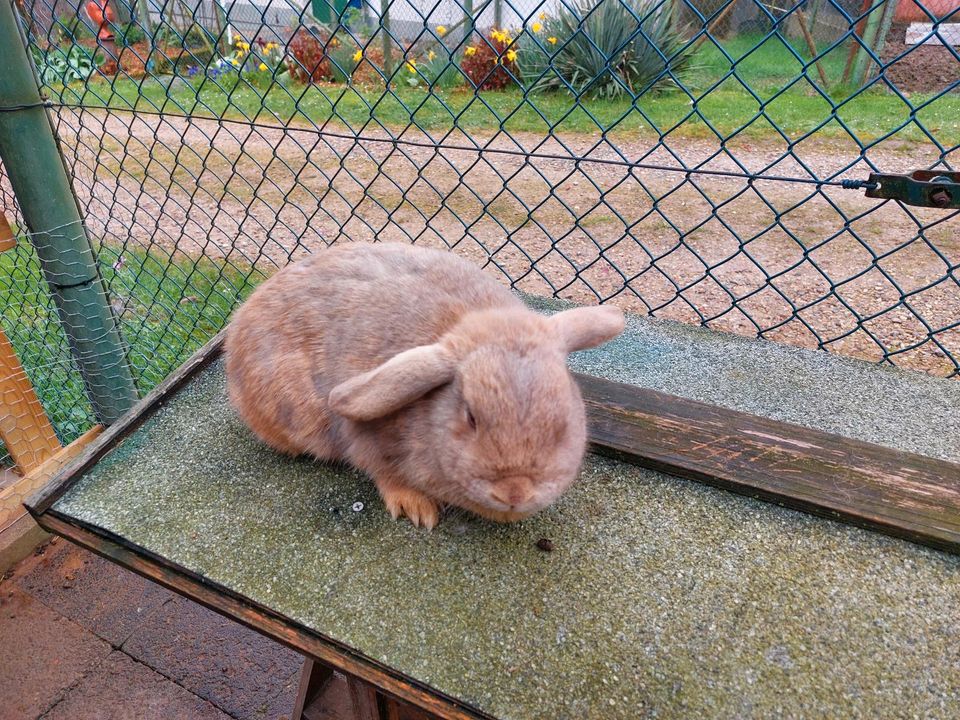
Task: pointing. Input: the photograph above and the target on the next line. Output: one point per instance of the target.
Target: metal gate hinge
(923, 188)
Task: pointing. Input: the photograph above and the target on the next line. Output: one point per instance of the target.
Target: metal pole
(385, 39)
(498, 14)
(38, 175)
(468, 18)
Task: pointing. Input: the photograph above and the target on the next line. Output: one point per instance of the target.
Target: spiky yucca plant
(606, 48)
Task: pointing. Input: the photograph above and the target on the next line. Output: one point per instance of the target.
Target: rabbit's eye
(471, 420)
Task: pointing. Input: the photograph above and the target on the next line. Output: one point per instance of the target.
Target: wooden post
(812, 47)
(24, 427)
(19, 534)
(862, 62)
(886, 21)
(363, 696)
(713, 26)
(314, 677)
(8, 240)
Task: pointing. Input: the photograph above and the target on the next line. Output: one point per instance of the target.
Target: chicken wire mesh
(681, 159)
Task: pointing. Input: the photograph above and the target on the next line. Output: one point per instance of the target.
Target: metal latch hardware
(923, 188)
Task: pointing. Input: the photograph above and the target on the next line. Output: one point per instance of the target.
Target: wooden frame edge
(267, 622)
(41, 501)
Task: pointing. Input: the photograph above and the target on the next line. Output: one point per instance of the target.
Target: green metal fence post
(385, 39)
(468, 18)
(38, 175)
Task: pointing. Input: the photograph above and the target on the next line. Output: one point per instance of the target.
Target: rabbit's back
(335, 315)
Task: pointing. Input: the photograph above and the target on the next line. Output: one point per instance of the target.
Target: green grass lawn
(168, 307)
(750, 89)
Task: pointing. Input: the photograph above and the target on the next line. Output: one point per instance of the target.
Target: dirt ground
(924, 69)
(796, 264)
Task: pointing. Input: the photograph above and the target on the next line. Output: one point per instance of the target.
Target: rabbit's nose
(513, 491)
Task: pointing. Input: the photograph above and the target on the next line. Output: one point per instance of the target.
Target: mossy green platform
(661, 598)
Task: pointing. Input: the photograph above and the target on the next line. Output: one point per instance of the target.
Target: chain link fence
(682, 159)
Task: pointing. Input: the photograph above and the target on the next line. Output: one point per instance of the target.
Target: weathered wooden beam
(19, 533)
(899, 493)
(13, 495)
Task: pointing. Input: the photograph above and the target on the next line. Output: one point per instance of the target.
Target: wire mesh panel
(697, 160)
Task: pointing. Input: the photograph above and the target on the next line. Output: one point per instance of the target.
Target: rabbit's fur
(416, 367)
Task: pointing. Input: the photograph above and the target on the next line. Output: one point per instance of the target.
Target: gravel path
(696, 249)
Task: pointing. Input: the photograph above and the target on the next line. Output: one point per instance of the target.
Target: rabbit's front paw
(413, 504)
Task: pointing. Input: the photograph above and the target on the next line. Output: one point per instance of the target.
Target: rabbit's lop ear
(587, 327)
(394, 384)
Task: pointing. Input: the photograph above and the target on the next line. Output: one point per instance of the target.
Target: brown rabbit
(414, 366)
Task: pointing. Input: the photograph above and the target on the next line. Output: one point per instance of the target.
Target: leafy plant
(491, 63)
(307, 57)
(606, 48)
(59, 65)
(130, 35)
(344, 60)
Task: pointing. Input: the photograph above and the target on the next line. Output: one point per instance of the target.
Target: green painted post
(385, 39)
(38, 175)
(869, 38)
(468, 19)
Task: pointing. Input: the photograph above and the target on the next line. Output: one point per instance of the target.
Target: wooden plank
(314, 677)
(363, 697)
(24, 426)
(8, 241)
(257, 617)
(12, 496)
(903, 494)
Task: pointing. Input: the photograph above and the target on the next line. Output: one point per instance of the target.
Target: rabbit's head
(496, 422)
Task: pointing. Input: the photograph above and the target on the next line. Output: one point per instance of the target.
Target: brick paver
(44, 654)
(83, 638)
(123, 689)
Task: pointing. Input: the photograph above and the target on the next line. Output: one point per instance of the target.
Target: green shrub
(59, 65)
(605, 48)
(343, 60)
(130, 35)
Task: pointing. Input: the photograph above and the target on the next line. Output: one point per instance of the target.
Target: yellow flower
(511, 55)
(262, 67)
(543, 16)
(470, 51)
(498, 36)
(358, 56)
(234, 62)
(270, 46)
(552, 40)
(537, 27)
(441, 30)
(431, 55)
(411, 65)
